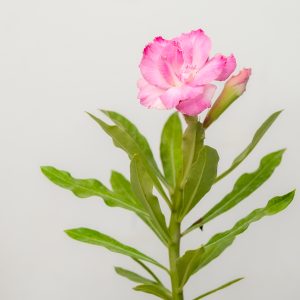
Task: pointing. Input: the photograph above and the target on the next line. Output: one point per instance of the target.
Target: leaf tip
(104, 111)
(68, 231)
(45, 170)
(72, 232)
(91, 115)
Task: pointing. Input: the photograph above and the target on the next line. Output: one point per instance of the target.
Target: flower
(233, 89)
(177, 73)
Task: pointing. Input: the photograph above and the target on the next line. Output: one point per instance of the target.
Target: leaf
(84, 188)
(171, 149)
(244, 186)
(154, 289)
(121, 185)
(94, 237)
(192, 143)
(132, 276)
(219, 288)
(200, 179)
(193, 260)
(142, 186)
(129, 128)
(127, 137)
(148, 270)
(255, 140)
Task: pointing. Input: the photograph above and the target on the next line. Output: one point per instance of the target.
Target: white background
(60, 58)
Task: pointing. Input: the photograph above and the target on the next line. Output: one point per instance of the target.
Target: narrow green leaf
(142, 186)
(122, 186)
(84, 188)
(200, 179)
(127, 137)
(193, 260)
(155, 289)
(192, 143)
(244, 186)
(137, 138)
(148, 270)
(133, 276)
(94, 237)
(255, 140)
(219, 288)
(171, 149)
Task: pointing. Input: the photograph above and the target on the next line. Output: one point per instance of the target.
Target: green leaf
(256, 138)
(219, 288)
(133, 276)
(148, 270)
(122, 186)
(171, 149)
(142, 186)
(200, 179)
(84, 188)
(193, 260)
(192, 143)
(94, 237)
(129, 128)
(127, 137)
(244, 186)
(155, 289)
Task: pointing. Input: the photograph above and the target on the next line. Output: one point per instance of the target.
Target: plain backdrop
(59, 59)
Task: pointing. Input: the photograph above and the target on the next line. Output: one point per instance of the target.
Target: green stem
(174, 254)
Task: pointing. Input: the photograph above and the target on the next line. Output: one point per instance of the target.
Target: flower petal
(172, 97)
(229, 67)
(210, 71)
(149, 64)
(149, 95)
(195, 46)
(201, 101)
(170, 63)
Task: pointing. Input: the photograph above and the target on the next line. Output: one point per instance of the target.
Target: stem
(174, 254)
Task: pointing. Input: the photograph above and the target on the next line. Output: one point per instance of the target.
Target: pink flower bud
(233, 89)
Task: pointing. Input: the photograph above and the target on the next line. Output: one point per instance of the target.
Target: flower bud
(233, 89)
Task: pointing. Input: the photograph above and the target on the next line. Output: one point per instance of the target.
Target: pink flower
(233, 89)
(178, 73)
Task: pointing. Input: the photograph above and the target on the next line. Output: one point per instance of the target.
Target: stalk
(174, 251)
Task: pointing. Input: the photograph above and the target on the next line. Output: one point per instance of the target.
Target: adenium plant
(177, 74)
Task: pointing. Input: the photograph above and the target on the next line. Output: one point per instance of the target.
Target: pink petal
(195, 46)
(149, 95)
(149, 64)
(210, 71)
(170, 63)
(201, 101)
(229, 67)
(173, 96)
